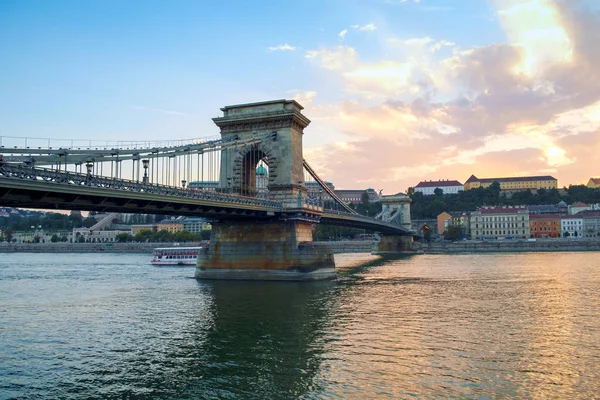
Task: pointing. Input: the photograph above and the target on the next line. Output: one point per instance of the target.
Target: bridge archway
(251, 164)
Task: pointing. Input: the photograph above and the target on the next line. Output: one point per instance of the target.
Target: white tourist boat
(175, 255)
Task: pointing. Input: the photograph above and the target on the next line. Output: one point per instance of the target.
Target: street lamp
(145, 165)
(89, 167)
(183, 182)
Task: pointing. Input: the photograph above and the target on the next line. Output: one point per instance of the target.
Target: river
(84, 326)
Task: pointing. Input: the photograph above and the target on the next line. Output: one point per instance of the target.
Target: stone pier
(274, 250)
(391, 245)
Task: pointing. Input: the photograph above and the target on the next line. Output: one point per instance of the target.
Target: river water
(79, 326)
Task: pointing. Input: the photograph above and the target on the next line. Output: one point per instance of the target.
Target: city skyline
(398, 91)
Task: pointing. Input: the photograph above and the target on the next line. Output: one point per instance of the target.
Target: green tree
(123, 237)
(89, 222)
(54, 238)
(8, 235)
(453, 232)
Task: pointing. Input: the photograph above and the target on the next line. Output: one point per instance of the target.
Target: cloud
(338, 59)
(282, 47)
(160, 110)
(367, 27)
(527, 106)
(343, 33)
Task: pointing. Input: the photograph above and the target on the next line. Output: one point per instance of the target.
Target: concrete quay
(348, 246)
(84, 247)
(512, 246)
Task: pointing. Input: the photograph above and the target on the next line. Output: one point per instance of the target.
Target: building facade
(315, 191)
(195, 225)
(591, 224)
(514, 184)
(545, 226)
(170, 225)
(571, 226)
(500, 222)
(355, 196)
(594, 183)
(447, 186)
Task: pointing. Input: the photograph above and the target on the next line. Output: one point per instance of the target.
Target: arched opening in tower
(255, 174)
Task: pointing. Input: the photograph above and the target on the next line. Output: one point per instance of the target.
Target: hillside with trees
(423, 207)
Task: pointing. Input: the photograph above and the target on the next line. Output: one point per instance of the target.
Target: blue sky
(107, 70)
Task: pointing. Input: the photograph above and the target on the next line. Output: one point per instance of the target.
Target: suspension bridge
(262, 225)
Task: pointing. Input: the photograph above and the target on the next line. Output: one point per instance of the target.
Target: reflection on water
(521, 326)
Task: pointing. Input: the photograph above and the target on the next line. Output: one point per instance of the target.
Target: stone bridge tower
(277, 248)
(282, 152)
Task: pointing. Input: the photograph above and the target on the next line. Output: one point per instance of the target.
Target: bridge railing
(78, 179)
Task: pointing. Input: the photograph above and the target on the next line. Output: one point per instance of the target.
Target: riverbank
(349, 246)
(512, 246)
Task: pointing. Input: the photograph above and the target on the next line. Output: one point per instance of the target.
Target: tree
(123, 237)
(54, 238)
(89, 222)
(8, 235)
(364, 198)
(453, 232)
(438, 192)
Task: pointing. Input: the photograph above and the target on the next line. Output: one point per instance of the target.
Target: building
(170, 225)
(578, 207)
(447, 186)
(514, 184)
(545, 225)
(591, 223)
(315, 191)
(456, 218)
(143, 227)
(571, 226)
(355, 196)
(594, 183)
(262, 181)
(547, 208)
(444, 220)
(196, 225)
(500, 222)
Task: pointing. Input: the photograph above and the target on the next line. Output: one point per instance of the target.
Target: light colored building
(500, 222)
(355, 196)
(447, 186)
(571, 226)
(594, 183)
(514, 184)
(578, 207)
(170, 225)
(196, 225)
(262, 181)
(315, 191)
(143, 227)
(591, 223)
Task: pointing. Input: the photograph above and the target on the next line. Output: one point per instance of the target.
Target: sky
(398, 91)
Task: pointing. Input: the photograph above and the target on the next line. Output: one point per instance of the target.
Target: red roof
(579, 204)
(596, 180)
(439, 183)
